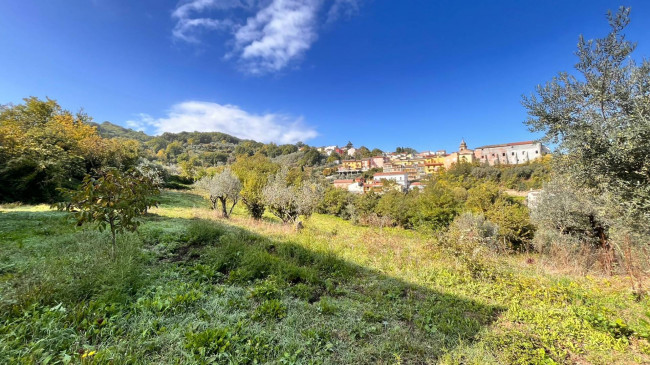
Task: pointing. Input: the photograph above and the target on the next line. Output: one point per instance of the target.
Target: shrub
(471, 239)
(397, 207)
(436, 207)
(513, 220)
(335, 202)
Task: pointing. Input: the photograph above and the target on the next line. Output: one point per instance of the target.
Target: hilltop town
(405, 170)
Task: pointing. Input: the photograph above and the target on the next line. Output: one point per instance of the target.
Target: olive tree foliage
(574, 217)
(221, 188)
(600, 121)
(112, 199)
(287, 201)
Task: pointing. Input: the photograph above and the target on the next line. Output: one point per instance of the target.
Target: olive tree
(287, 201)
(222, 187)
(599, 118)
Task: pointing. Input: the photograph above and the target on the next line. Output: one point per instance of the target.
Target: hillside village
(404, 171)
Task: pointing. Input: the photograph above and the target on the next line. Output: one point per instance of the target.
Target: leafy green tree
(395, 205)
(335, 202)
(114, 200)
(436, 206)
(288, 148)
(173, 150)
(311, 158)
(333, 157)
(248, 148)
(362, 152)
(599, 120)
(42, 148)
(254, 172)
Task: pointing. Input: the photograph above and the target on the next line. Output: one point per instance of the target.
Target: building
(432, 168)
(510, 153)
(464, 154)
(357, 187)
(343, 183)
(417, 185)
(378, 162)
(351, 185)
(401, 178)
(351, 151)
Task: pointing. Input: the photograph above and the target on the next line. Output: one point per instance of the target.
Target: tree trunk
(607, 257)
(232, 207)
(112, 223)
(224, 210)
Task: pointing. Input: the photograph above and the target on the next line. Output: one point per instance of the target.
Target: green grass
(192, 288)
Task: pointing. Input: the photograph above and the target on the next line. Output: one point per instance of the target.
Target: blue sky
(381, 73)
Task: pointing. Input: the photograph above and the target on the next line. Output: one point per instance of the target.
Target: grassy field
(190, 287)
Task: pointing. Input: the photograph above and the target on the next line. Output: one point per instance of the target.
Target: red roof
(507, 144)
(389, 173)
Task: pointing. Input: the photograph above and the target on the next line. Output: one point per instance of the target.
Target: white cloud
(212, 117)
(345, 8)
(142, 123)
(279, 33)
(274, 34)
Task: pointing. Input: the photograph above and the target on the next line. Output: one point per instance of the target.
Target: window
(536, 151)
(503, 154)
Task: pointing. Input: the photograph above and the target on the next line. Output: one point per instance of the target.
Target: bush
(397, 207)
(436, 207)
(335, 202)
(514, 223)
(472, 239)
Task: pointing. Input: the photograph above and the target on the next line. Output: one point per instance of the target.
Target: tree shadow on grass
(368, 317)
(252, 298)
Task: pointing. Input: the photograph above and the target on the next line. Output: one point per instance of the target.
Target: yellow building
(352, 164)
(464, 154)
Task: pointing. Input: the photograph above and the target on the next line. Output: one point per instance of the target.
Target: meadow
(191, 287)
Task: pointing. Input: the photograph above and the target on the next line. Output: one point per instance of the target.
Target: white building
(356, 187)
(510, 153)
(401, 178)
(330, 149)
(351, 151)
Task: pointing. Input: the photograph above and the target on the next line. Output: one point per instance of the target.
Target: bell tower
(463, 145)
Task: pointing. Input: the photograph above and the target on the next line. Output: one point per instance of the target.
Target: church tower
(463, 145)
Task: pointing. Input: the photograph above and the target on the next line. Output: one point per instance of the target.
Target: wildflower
(88, 354)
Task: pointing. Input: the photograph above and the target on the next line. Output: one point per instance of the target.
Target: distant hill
(110, 130)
